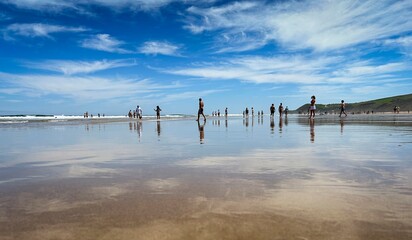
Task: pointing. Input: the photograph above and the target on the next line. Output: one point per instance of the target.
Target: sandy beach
(227, 178)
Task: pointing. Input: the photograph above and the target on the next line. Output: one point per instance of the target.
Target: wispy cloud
(189, 95)
(81, 5)
(77, 87)
(295, 70)
(46, 5)
(4, 17)
(105, 42)
(79, 67)
(155, 47)
(403, 43)
(37, 30)
(319, 25)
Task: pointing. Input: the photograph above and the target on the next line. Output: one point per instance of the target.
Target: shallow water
(224, 179)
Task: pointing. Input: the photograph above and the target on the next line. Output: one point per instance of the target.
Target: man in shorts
(200, 112)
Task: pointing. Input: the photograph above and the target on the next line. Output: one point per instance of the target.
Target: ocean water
(226, 178)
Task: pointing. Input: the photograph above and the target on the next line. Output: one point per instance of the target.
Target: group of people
(138, 113)
(281, 110)
(312, 108)
(86, 115)
(396, 109)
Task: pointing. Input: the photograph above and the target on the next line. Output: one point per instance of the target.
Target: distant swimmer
(225, 112)
(157, 110)
(200, 111)
(342, 108)
(312, 107)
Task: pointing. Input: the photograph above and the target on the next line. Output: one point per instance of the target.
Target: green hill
(378, 105)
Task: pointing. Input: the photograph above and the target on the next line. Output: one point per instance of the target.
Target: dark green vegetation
(378, 105)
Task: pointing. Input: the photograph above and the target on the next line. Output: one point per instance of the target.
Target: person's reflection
(139, 129)
(280, 124)
(226, 122)
(312, 130)
(286, 120)
(201, 128)
(131, 126)
(246, 121)
(341, 126)
(158, 128)
(272, 125)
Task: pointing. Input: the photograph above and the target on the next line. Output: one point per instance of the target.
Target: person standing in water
(342, 108)
(200, 111)
(312, 107)
(157, 110)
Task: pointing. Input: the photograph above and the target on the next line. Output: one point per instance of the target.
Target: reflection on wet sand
(272, 125)
(312, 129)
(201, 128)
(158, 129)
(102, 185)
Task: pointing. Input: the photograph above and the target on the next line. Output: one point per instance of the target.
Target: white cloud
(79, 67)
(81, 5)
(296, 69)
(48, 5)
(319, 25)
(188, 95)
(106, 43)
(164, 48)
(79, 88)
(37, 30)
(403, 43)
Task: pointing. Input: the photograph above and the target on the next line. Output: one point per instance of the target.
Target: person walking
(342, 108)
(200, 111)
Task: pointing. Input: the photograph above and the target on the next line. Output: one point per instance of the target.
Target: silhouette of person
(157, 110)
(201, 108)
(272, 110)
(280, 109)
(342, 108)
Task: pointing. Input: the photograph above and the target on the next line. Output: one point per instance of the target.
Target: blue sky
(107, 56)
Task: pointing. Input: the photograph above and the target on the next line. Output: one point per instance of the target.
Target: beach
(226, 178)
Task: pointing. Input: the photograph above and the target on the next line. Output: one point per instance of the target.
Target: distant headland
(403, 102)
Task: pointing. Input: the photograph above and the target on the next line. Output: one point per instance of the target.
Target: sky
(107, 56)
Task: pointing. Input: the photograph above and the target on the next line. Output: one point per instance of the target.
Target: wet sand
(238, 178)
